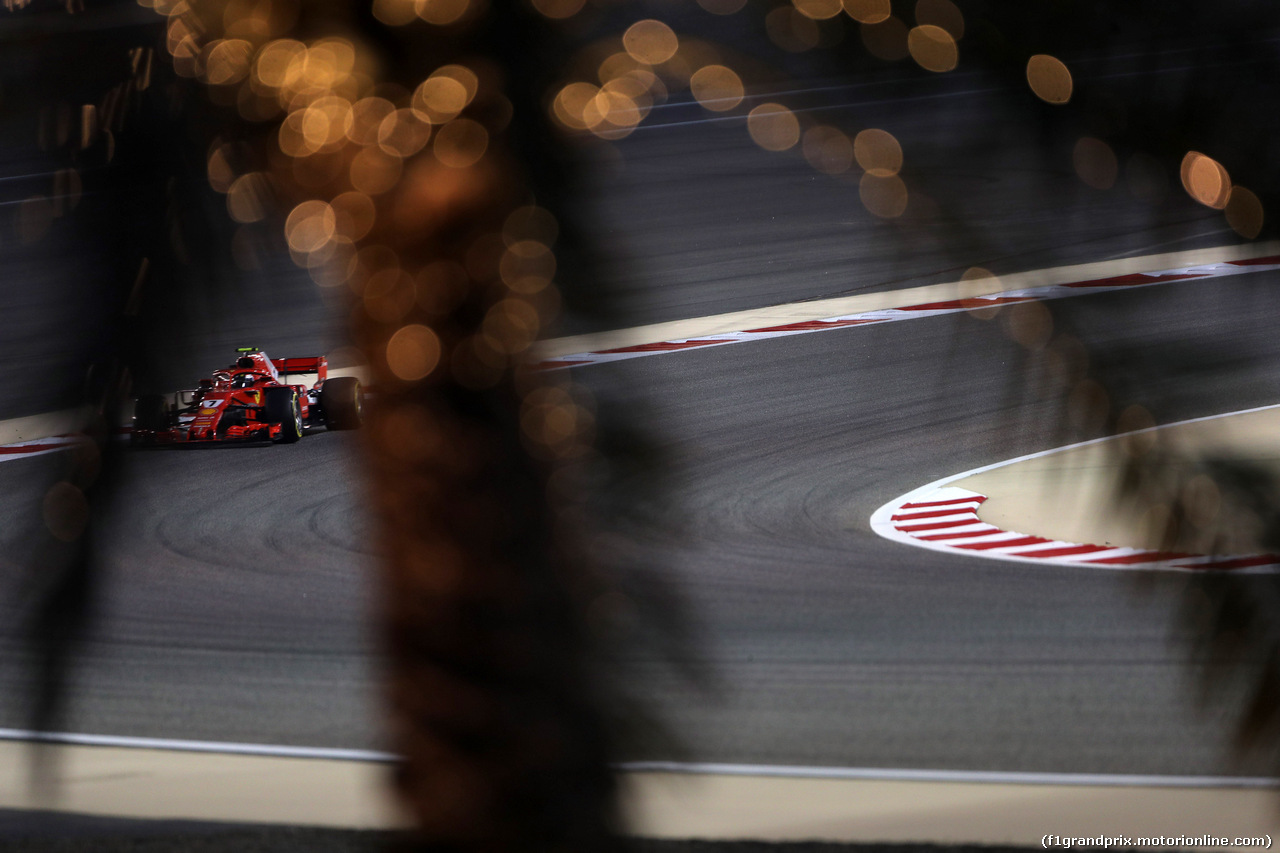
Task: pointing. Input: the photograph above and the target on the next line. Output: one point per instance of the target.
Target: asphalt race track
(239, 578)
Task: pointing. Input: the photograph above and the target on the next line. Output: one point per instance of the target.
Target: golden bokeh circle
(571, 102)
(1049, 78)
(309, 226)
(827, 149)
(773, 127)
(650, 41)
(227, 61)
(716, 87)
(868, 11)
(878, 152)
(403, 133)
(373, 171)
(247, 198)
(819, 10)
(413, 352)
(354, 214)
(558, 10)
(1029, 323)
(441, 12)
(367, 115)
(885, 197)
(1244, 212)
(461, 143)
(933, 48)
(1205, 180)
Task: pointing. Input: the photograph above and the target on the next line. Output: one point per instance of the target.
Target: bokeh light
(650, 41)
(717, 87)
(1244, 212)
(395, 13)
(367, 115)
(403, 133)
(527, 266)
(227, 61)
(413, 352)
(617, 64)
(271, 67)
(975, 282)
(933, 48)
(554, 422)
(1028, 323)
(878, 152)
(218, 168)
(309, 226)
(558, 10)
(868, 11)
(461, 143)
(511, 325)
(1049, 79)
(818, 9)
(373, 171)
(1095, 163)
(571, 102)
(530, 222)
(773, 127)
(446, 93)
(247, 198)
(1205, 180)
(326, 122)
(827, 149)
(885, 197)
(442, 12)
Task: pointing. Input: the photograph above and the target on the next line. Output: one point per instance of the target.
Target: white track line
(174, 745)
(887, 774)
(993, 777)
(923, 518)
(910, 304)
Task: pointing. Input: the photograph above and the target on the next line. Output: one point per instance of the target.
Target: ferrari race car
(252, 400)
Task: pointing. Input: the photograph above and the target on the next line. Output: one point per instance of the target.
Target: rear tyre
(150, 415)
(340, 401)
(282, 407)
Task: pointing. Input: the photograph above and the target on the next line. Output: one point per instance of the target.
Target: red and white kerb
(912, 312)
(946, 519)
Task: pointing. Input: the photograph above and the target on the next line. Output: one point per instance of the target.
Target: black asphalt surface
(240, 576)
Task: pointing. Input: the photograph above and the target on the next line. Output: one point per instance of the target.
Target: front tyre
(282, 407)
(340, 402)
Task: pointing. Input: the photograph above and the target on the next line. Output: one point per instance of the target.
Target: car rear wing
(286, 367)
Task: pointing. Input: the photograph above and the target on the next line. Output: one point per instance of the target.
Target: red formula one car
(253, 400)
